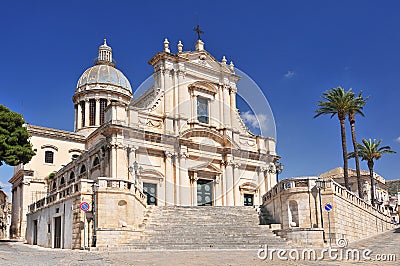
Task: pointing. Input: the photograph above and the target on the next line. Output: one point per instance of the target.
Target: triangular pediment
(207, 168)
(205, 59)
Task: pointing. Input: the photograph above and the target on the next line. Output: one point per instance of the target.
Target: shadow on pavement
(397, 230)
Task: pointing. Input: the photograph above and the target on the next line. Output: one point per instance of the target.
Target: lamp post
(94, 187)
(319, 183)
(278, 169)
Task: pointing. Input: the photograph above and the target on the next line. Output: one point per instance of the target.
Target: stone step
(181, 227)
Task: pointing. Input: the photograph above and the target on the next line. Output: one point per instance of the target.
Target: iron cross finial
(198, 31)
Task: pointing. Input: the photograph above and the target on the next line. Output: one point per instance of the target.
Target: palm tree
(356, 108)
(370, 151)
(338, 102)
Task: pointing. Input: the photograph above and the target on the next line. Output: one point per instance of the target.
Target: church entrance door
(151, 192)
(204, 192)
(248, 199)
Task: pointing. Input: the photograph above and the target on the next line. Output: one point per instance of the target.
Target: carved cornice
(55, 133)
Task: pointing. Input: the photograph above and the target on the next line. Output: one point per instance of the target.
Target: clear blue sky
(294, 50)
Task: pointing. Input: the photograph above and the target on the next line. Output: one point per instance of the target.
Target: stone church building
(180, 143)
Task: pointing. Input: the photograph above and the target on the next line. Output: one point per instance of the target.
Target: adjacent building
(5, 216)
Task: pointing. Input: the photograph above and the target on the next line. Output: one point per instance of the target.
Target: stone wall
(295, 204)
(352, 218)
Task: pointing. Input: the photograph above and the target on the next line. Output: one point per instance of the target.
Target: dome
(104, 74)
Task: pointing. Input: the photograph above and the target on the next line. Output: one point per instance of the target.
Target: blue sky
(293, 50)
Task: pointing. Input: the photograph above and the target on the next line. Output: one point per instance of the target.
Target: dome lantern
(105, 55)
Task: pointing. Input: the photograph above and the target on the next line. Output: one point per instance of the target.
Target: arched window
(96, 161)
(49, 157)
(62, 180)
(83, 169)
(71, 176)
(54, 186)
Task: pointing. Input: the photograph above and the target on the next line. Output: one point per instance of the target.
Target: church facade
(181, 143)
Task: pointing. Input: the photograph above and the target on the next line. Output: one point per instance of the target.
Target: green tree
(336, 101)
(15, 147)
(370, 151)
(356, 108)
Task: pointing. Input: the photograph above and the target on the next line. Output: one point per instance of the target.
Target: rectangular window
(103, 105)
(48, 157)
(83, 114)
(92, 112)
(202, 110)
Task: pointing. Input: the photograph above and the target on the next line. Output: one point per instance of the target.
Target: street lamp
(95, 187)
(319, 183)
(135, 170)
(278, 169)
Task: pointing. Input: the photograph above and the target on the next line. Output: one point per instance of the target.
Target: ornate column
(97, 114)
(169, 178)
(218, 191)
(229, 182)
(182, 101)
(168, 92)
(232, 103)
(162, 86)
(87, 107)
(194, 108)
(113, 160)
(214, 112)
(177, 182)
(227, 107)
(194, 189)
(184, 180)
(236, 180)
(221, 104)
(79, 116)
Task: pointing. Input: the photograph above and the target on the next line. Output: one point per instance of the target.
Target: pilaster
(184, 180)
(169, 178)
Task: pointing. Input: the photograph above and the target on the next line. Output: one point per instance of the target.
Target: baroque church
(180, 143)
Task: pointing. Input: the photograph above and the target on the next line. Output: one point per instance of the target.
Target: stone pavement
(17, 253)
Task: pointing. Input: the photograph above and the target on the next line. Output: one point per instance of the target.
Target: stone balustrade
(86, 186)
(297, 204)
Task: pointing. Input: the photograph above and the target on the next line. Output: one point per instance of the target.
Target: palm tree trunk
(371, 175)
(352, 120)
(344, 149)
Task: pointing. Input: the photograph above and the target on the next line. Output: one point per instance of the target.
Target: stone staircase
(206, 227)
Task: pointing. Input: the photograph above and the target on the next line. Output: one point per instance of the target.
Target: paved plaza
(17, 253)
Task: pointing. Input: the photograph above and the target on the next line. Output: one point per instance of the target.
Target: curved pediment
(203, 86)
(152, 174)
(196, 134)
(248, 187)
